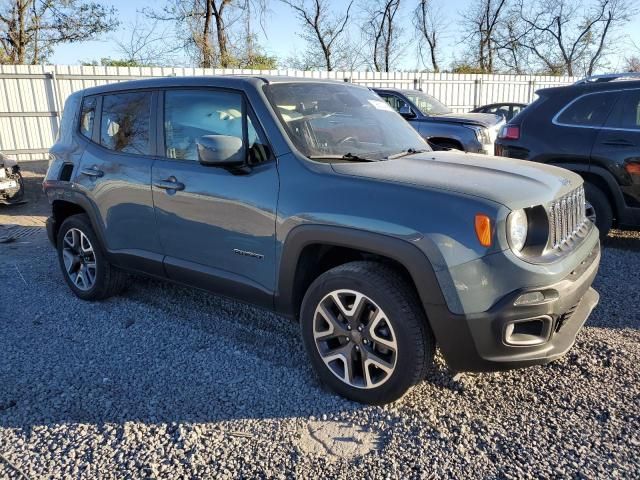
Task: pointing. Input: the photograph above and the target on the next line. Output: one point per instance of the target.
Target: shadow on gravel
(159, 353)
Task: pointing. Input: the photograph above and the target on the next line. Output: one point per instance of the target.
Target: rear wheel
(83, 263)
(365, 332)
(598, 209)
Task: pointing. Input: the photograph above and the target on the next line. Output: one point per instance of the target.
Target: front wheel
(598, 209)
(365, 332)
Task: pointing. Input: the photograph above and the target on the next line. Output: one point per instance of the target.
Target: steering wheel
(348, 139)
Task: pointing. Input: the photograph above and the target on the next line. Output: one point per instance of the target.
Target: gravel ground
(166, 382)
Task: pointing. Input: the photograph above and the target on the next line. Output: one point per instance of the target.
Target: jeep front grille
(566, 216)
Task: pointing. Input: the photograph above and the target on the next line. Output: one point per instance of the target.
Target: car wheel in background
(598, 209)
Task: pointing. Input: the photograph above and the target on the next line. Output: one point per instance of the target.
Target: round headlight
(517, 227)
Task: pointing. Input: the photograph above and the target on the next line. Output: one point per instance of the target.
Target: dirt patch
(338, 440)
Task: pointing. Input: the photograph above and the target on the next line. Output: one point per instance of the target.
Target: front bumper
(486, 341)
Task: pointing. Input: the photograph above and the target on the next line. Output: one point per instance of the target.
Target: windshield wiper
(404, 153)
(347, 156)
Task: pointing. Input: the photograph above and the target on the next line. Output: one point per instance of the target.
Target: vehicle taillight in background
(632, 168)
(510, 132)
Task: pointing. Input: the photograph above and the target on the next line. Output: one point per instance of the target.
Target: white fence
(32, 97)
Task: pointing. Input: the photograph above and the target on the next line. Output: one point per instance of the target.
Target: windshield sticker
(380, 105)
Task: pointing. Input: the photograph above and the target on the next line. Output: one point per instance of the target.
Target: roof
(228, 81)
(588, 87)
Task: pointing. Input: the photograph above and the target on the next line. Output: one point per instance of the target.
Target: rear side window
(125, 122)
(87, 116)
(589, 110)
(626, 113)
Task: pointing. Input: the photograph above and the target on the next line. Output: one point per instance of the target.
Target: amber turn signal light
(483, 229)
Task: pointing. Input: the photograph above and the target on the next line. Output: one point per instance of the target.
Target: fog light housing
(528, 332)
(529, 298)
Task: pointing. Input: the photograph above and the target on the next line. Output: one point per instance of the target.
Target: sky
(280, 39)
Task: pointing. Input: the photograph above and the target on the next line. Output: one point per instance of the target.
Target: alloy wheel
(355, 339)
(79, 259)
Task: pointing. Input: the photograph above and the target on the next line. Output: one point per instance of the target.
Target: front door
(217, 226)
(617, 146)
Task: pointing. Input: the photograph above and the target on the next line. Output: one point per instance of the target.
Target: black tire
(601, 207)
(398, 300)
(109, 280)
(445, 146)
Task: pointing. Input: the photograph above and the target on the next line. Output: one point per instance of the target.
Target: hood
(512, 183)
(481, 119)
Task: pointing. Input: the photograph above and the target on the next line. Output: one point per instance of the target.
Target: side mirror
(406, 111)
(221, 150)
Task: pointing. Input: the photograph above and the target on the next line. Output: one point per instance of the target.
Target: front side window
(396, 103)
(87, 116)
(589, 110)
(125, 122)
(626, 113)
(331, 119)
(191, 114)
(427, 104)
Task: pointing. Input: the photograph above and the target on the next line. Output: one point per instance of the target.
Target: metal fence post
(477, 92)
(532, 90)
(57, 107)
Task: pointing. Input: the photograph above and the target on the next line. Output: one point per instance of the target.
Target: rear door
(115, 170)
(618, 145)
(217, 227)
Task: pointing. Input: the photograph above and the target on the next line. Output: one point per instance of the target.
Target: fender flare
(404, 252)
(85, 204)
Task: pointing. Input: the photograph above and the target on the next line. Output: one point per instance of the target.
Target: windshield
(334, 120)
(427, 104)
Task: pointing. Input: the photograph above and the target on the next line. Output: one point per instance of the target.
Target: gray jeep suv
(318, 201)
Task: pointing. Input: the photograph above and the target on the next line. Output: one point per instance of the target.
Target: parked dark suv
(316, 200)
(593, 129)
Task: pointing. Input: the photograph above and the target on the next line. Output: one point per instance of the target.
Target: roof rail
(609, 77)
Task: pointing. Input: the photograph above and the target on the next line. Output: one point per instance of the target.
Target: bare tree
(568, 37)
(632, 62)
(383, 33)
(146, 44)
(481, 26)
(30, 29)
(322, 30)
(207, 27)
(429, 28)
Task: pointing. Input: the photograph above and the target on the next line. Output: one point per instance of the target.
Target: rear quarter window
(590, 110)
(87, 116)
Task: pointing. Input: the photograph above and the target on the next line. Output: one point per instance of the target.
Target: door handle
(619, 143)
(92, 172)
(169, 184)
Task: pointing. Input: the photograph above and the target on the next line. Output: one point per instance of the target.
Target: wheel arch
(440, 140)
(63, 208)
(310, 250)
(600, 178)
